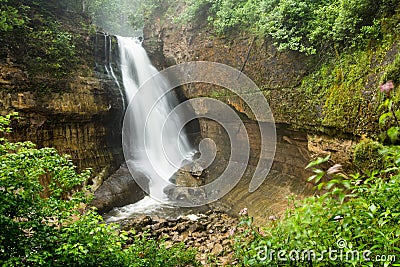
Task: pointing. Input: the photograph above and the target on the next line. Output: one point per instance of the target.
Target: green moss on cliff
(344, 91)
(348, 85)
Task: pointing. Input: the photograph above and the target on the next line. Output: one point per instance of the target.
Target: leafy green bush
(10, 16)
(45, 221)
(354, 223)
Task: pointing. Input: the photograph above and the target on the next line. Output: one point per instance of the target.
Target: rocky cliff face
(81, 116)
(274, 72)
(301, 135)
(279, 75)
(339, 98)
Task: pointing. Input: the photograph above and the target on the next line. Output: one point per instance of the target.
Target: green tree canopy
(305, 25)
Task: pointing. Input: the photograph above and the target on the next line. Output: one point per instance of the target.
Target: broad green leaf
(384, 117)
(318, 161)
(393, 133)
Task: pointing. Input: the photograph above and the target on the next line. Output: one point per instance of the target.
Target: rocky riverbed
(209, 233)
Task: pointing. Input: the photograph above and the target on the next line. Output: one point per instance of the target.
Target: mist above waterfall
(118, 17)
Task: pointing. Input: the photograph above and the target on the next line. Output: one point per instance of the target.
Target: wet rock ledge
(209, 233)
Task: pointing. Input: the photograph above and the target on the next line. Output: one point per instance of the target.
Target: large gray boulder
(118, 190)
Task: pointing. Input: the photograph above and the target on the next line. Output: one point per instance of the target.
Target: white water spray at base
(153, 144)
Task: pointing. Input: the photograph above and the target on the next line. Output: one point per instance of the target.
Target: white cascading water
(157, 146)
(108, 67)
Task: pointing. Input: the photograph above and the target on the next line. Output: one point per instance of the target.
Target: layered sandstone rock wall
(81, 117)
(300, 134)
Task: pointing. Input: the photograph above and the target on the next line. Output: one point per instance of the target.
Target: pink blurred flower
(334, 169)
(272, 218)
(243, 212)
(387, 87)
(232, 231)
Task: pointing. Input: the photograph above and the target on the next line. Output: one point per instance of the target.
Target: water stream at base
(145, 148)
(145, 206)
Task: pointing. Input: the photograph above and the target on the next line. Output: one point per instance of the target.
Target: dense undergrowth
(353, 222)
(46, 42)
(45, 220)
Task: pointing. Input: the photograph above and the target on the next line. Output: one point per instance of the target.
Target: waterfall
(108, 66)
(153, 145)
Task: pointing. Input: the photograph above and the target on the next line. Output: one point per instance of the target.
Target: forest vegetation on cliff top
(52, 40)
(305, 26)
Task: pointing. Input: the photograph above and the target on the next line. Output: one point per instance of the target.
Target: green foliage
(342, 82)
(389, 119)
(392, 72)
(344, 86)
(305, 26)
(232, 15)
(288, 22)
(44, 219)
(353, 213)
(53, 51)
(110, 15)
(224, 16)
(198, 10)
(115, 16)
(10, 16)
(45, 45)
(31, 204)
(143, 9)
(318, 173)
